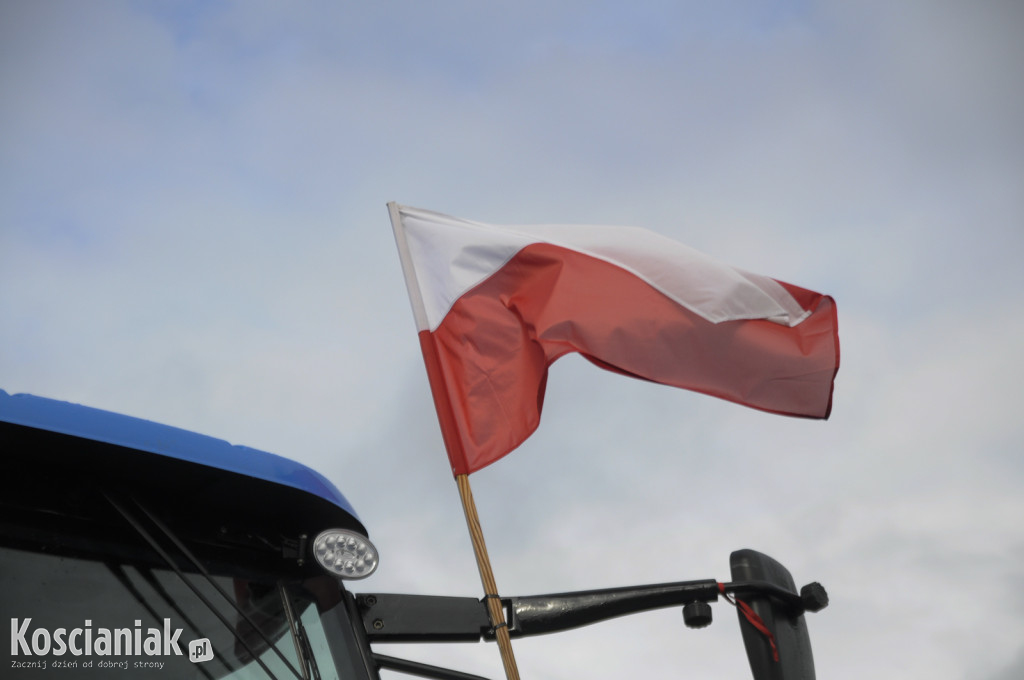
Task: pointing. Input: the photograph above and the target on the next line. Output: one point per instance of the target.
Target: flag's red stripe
(494, 347)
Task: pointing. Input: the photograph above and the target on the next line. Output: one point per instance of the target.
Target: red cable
(752, 617)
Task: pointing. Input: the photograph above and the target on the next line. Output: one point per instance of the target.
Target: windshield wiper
(303, 649)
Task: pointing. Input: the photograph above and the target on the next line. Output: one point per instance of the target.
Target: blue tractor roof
(128, 433)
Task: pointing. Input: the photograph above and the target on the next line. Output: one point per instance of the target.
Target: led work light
(345, 553)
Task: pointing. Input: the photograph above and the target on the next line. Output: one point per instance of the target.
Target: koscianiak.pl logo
(78, 647)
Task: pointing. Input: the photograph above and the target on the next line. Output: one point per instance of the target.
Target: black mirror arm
(430, 618)
(540, 614)
(763, 594)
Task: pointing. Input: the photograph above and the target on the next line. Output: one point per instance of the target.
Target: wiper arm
(303, 651)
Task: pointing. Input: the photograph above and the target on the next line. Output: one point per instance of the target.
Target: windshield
(98, 604)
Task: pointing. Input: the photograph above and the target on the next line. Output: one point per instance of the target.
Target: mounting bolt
(814, 597)
(697, 614)
(378, 624)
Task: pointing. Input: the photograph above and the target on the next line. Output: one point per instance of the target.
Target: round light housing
(345, 553)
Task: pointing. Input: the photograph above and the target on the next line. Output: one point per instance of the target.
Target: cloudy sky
(193, 230)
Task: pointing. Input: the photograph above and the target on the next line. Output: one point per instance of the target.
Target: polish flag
(496, 305)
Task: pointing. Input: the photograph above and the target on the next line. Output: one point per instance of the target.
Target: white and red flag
(496, 305)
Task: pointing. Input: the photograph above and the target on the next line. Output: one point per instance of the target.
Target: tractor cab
(129, 545)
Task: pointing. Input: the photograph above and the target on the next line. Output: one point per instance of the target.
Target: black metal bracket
(812, 597)
(422, 618)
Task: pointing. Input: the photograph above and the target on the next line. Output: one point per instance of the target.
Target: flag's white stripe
(448, 256)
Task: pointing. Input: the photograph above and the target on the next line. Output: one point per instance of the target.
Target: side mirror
(785, 621)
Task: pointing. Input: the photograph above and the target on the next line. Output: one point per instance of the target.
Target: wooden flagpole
(483, 563)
